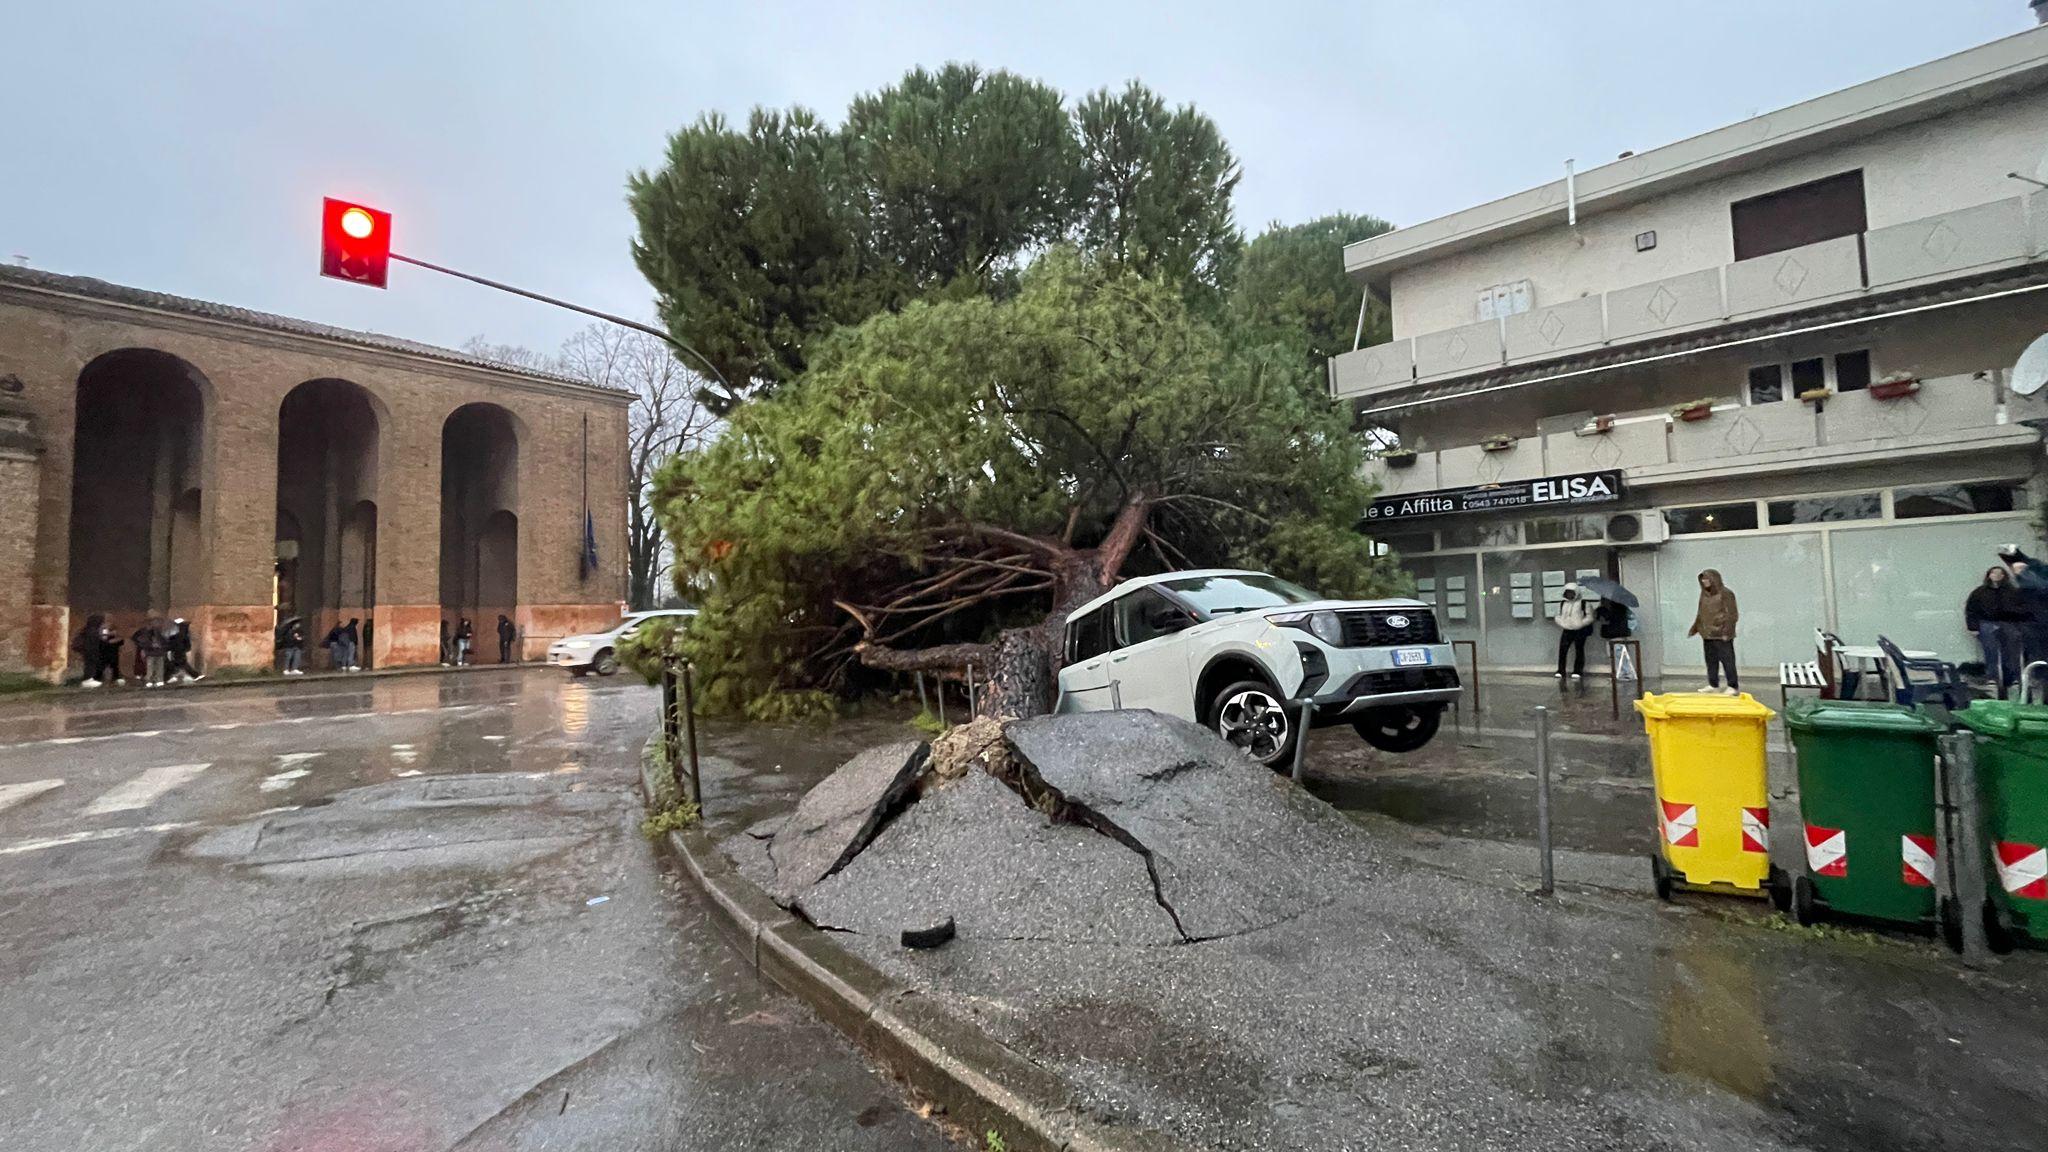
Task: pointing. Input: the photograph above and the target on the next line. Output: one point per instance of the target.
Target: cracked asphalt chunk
(838, 818)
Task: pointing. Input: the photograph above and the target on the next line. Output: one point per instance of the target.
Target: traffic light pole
(621, 321)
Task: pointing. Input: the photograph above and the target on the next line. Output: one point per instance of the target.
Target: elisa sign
(1548, 491)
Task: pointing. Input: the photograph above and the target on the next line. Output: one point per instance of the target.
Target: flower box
(1692, 412)
(1399, 458)
(1497, 443)
(1598, 425)
(1894, 388)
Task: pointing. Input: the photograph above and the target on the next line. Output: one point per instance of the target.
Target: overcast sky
(184, 146)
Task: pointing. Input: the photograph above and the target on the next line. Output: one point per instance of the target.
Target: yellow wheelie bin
(1713, 802)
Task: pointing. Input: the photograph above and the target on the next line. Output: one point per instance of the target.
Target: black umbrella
(1607, 589)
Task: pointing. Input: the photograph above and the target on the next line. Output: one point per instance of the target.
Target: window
(1238, 592)
(1957, 500)
(1146, 615)
(1809, 375)
(1795, 217)
(1827, 509)
(1565, 529)
(1088, 637)
(1766, 384)
(1852, 371)
(1408, 543)
(1500, 534)
(1711, 518)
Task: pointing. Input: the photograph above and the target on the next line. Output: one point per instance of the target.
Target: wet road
(365, 916)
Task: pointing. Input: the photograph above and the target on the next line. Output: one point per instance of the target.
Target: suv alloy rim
(1255, 722)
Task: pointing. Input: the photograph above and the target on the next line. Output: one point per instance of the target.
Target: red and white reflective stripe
(1681, 824)
(1827, 851)
(2023, 870)
(1756, 830)
(1918, 853)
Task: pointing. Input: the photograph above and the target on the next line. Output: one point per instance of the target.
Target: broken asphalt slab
(838, 818)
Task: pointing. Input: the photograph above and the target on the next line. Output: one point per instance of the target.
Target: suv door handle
(1118, 659)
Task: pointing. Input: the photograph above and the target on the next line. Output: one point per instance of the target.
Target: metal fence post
(671, 738)
(971, 702)
(1959, 843)
(690, 719)
(923, 705)
(1543, 798)
(1308, 712)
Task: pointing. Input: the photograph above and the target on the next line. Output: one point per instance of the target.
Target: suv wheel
(607, 662)
(1399, 729)
(1250, 717)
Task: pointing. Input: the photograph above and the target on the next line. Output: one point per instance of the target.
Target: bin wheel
(1805, 901)
(1780, 886)
(1997, 933)
(1660, 876)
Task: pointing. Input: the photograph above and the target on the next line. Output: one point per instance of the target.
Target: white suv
(599, 651)
(1247, 655)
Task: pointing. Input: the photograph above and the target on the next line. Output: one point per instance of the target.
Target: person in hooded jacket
(465, 641)
(1714, 624)
(178, 651)
(506, 634)
(1996, 614)
(1575, 623)
(90, 646)
(291, 647)
(149, 651)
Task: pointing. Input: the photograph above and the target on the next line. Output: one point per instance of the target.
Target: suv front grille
(1372, 627)
(1401, 680)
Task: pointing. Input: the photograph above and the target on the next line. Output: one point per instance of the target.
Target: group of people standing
(344, 644)
(457, 646)
(2008, 614)
(162, 652)
(1713, 622)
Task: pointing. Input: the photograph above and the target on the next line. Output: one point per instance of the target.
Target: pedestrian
(1714, 624)
(447, 645)
(465, 639)
(353, 634)
(178, 652)
(109, 644)
(506, 634)
(1996, 615)
(1575, 620)
(292, 643)
(87, 645)
(149, 651)
(2030, 579)
(341, 646)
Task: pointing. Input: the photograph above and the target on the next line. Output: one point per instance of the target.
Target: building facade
(1783, 349)
(161, 456)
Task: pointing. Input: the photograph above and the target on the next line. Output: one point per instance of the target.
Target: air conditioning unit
(1637, 529)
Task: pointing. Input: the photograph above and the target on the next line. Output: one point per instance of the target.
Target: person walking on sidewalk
(178, 652)
(1714, 624)
(465, 641)
(506, 634)
(1575, 622)
(1995, 614)
(353, 633)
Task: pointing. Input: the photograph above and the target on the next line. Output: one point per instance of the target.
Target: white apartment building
(1848, 283)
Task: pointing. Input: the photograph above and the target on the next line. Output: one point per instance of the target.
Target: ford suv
(1249, 655)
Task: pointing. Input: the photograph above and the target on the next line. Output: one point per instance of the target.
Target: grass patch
(668, 810)
(994, 1142)
(928, 723)
(674, 818)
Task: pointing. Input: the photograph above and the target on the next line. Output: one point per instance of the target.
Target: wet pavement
(378, 915)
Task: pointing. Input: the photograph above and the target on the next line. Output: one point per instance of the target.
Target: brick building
(167, 456)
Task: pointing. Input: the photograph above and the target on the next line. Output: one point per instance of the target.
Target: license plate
(1410, 657)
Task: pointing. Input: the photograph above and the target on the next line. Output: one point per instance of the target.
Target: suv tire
(1400, 728)
(1250, 716)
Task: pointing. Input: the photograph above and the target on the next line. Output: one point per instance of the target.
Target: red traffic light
(355, 242)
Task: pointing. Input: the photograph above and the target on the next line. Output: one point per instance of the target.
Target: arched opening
(480, 516)
(137, 452)
(327, 436)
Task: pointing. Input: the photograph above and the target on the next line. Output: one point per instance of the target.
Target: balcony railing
(1949, 413)
(1969, 241)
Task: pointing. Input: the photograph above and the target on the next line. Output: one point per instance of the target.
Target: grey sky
(184, 146)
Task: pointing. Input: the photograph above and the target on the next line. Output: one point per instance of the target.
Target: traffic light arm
(621, 321)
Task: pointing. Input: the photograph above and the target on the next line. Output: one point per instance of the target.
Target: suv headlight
(1323, 625)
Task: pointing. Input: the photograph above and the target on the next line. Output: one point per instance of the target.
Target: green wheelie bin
(2012, 785)
(1866, 806)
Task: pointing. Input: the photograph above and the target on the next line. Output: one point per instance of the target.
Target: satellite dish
(2031, 372)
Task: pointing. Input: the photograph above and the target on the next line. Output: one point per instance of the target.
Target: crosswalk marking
(143, 790)
(12, 794)
(83, 837)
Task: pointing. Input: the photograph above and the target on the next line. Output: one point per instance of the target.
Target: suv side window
(1088, 637)
(1143, 616)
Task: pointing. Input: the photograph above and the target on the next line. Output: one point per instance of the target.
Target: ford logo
(1397, 621)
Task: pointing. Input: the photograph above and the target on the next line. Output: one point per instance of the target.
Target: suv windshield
(1223, 595)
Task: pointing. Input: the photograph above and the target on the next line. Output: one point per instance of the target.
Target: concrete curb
(982, 1084)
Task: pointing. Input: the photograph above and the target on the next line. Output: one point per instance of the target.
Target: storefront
(1860, 561)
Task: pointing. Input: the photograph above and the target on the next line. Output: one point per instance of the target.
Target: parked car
(599, 651)
(1242, 652)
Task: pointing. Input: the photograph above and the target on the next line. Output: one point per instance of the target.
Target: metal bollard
(1308, 712)
(1543, 799)
(1960, 879)
(923, 705)
(690, 719)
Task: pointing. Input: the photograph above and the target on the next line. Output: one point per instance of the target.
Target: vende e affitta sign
(1547, 491)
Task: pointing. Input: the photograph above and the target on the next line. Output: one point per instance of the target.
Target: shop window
(1827, 509)
(1497, 535)
(1957, 500)
(1565, 529)
(1809, 375)
(1711, 518)
(1852, 371)
(1766, 384)
(1406, 543)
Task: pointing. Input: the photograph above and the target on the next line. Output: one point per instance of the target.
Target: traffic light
(355, 242)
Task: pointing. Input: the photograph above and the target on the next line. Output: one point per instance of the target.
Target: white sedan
(599, 651)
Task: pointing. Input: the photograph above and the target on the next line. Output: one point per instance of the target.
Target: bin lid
(1706, 706)
(2004, 718)
(1808, 714)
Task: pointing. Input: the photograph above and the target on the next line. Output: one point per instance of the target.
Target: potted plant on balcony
(1399, 457)
(1597, 426)
(1895, 386)
(1497, 443)
(1693, 410)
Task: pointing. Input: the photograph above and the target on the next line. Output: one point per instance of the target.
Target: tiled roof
(186, 306)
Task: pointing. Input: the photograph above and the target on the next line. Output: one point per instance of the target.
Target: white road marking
(12, 794)
(406, 773)
(494, 739)
(283, 780)
(403, 753)
(290, 759)
(83, 837)
(144, 790)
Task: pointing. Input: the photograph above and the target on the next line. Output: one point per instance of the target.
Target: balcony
(1967, 242)
(1949, 414)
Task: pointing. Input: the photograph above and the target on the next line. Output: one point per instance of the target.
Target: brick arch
(330, 436)
(481, 446)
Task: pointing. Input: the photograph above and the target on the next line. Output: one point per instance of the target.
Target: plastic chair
(1944, 686)
(1840, 683)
